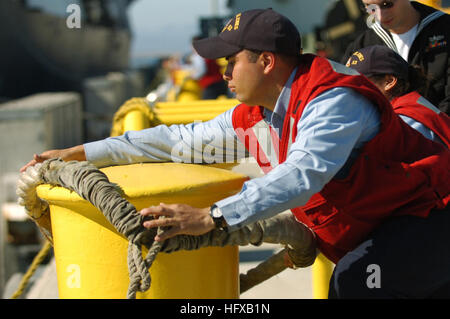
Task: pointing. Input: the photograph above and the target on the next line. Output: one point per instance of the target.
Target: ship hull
(39, 52)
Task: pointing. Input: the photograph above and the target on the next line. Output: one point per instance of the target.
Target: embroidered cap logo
(236, 23)
(229, 26)
(352, 61)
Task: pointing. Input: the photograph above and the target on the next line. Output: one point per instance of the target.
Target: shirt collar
(282, 103)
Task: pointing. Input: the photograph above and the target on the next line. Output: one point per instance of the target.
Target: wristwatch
(216, 215)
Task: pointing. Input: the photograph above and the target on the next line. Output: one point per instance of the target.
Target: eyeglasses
(383, 5)
(386, 4)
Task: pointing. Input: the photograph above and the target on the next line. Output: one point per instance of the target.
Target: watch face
(216, 213)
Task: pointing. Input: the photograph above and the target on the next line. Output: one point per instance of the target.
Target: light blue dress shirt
(332, 129)
(424, 130)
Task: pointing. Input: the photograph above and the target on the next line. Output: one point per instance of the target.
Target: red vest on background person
(420, 109)
(398, 172)
(212, 74)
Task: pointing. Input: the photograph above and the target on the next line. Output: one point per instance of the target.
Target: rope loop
(93, 185)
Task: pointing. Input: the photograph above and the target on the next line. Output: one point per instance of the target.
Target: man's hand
(184, 219)
(67, 154)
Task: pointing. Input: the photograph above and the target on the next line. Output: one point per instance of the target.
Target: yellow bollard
(91, 256)
(135, 120)
(189, 89)
(322, 270)
(199, 103)
(170, 119)
(192, 109)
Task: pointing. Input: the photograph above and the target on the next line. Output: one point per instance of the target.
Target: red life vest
(420, 109)
(407, 174)
(212, 74)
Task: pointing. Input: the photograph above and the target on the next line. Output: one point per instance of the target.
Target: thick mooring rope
(298, 241)
(93, 185)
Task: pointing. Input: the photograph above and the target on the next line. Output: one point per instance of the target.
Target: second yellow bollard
(322, 269)
(136, 120)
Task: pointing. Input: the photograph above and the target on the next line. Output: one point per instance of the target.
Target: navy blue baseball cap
(378, 60)
(258, 29)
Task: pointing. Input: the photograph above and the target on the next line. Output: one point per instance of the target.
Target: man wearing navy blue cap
(332, 150)
(404, 85)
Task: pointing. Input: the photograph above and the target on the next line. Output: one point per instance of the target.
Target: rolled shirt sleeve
(208, 142)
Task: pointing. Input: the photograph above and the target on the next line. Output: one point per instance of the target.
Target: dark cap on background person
(378, 60)
(258, 29)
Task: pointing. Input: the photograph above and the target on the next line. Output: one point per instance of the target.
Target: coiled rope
(93, 185)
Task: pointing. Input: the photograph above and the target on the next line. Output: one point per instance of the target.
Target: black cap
(378, 60)
(259, 29)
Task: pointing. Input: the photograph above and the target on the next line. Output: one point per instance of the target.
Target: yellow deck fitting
(91, 255)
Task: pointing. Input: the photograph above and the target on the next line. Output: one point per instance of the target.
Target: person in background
(207, 73)
(419, 33)
(403, 85)
(368, 187)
